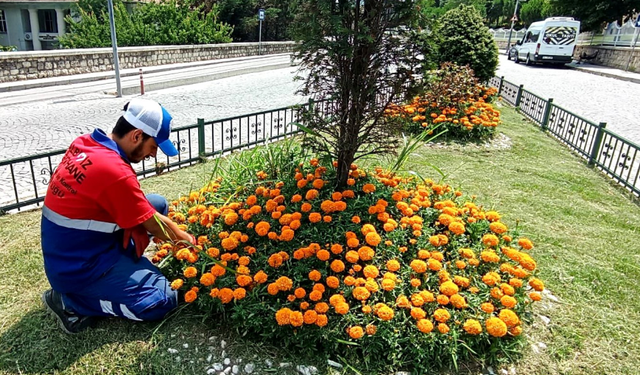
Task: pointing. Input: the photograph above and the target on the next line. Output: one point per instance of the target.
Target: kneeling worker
(96, 223)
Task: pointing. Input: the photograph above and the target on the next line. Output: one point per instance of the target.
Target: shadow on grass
(36, 344)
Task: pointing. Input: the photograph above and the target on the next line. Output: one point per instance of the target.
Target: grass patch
(584, 228)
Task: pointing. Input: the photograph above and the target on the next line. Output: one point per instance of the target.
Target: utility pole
(114, 44)
(513, 20)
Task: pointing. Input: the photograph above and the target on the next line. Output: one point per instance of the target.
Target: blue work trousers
(133, 288)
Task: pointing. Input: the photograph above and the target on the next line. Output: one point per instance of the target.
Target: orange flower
(260, 277)
(333, 282)
(509, 317)
(535, 296)
(306, 207)
(190, 296)
(321, 307)
(342, 308)
(496, 327)
(441, 315)
(356, 332)
(311, 194)
(472, 327)
(372, 238)
(190, 272)
(448, 288)
(353, 242)
(262, 228)
(296, 318)
(366, 253)
(371, 329)
(368, 188)
(337, 266)
(315, 275)
(424, 325)
(393, 265)
(284, 283)
(388, 284)
(310, 317)
(315, 217)
(225, 295)
(497, 227)
(239, 294)
(352, 256)
(385, 312)
(322, 320)
(418, 266)
(458, 301)
(525, 243)
(207, 279)
(490, 240)
(443, 328)
(536, 284)
(177, 284)
(417, 313)
(371, 271)
(283, 316)
(361, 293)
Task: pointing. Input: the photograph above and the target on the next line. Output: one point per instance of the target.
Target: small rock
(173, 335)
(489, 371)
(227, 361)
(512, 370)
(268, 363)
(211, 348)
(178, 359)
(239, 360)
(403, 373)
(334, 364)
(223, 344)
(223, 354)
(248, 368)
(211, 371)
(212, 338)
(235, 369)
(542, 345)
(192, 361)
(545, 319)
(504, 371)
(285, 364)
(209, 357)
(314, 370)
(218, 366)
(227, 370)
(549, 295)
(172, 351)
(535, 349)
(303, 370)
(186, 346)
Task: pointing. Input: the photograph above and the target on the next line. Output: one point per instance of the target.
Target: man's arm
(163, 228)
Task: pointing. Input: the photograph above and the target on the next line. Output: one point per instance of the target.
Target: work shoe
(70, 322)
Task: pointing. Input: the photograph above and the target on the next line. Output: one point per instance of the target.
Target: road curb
(609, 75)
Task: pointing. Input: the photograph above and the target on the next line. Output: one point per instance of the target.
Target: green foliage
(594, 14)
(359, 56)
(465, 40)
(167, 23)
(535, 10)
(8, 48)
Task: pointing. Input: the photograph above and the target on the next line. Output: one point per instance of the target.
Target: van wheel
(528, 62)
(516, 59)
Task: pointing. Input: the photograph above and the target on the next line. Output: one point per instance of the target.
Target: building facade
(33, 25)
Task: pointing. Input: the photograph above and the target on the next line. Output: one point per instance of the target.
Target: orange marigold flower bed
(390, 255)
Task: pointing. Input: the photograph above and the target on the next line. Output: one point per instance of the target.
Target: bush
(465, 40)
(166, 23)
(451, 100)
(391, 273)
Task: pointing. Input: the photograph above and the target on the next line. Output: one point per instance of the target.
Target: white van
(549, 41)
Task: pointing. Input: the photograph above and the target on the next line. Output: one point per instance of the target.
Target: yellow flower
(472, 327)
(496, 327)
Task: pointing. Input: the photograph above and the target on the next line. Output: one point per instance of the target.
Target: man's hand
(163, 228)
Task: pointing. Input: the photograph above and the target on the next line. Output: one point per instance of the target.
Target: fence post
(596, 144)
(519, 96)
(547, 113)
(201, 148)
(500, 85)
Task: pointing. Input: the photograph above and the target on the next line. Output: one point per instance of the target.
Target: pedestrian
(96, 223)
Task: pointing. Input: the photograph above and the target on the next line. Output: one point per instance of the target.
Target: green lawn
(585, 229)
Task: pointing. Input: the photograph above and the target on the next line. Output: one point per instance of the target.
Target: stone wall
(16, 66)
(615, 57)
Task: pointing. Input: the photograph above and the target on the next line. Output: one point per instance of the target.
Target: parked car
(551, 41)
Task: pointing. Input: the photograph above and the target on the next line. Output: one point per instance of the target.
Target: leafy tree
(593, 14)
(535, 10)
(167, 23)
(465, 40)
(357, 53)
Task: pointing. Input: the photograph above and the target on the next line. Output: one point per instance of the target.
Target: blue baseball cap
(152, 119)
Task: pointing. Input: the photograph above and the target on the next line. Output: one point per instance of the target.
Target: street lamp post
(114, 44)
(513, 20)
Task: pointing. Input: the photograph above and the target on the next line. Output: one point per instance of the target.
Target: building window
(3, 22)
(47, 20)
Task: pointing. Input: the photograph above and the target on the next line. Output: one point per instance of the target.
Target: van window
(532, 36)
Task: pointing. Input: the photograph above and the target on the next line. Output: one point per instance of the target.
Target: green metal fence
(28, 177)
(616, 156)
